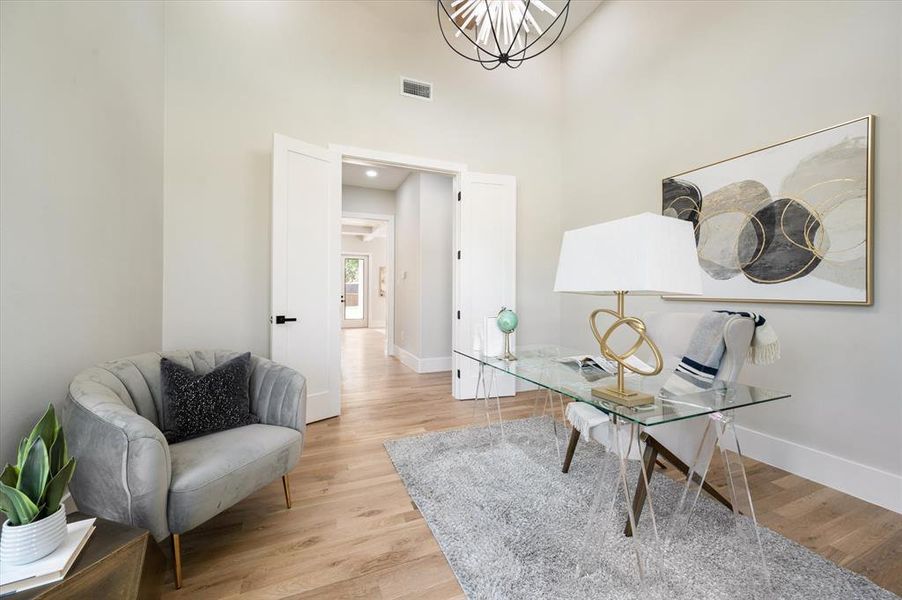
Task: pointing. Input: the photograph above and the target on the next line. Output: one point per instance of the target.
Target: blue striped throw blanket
(698, 368)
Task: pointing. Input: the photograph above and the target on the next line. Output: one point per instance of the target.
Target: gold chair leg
(287, 486)
(177, 559)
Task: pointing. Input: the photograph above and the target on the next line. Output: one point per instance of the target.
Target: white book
(51, 568)
(584, 361)
(493, 338)
(637, 363)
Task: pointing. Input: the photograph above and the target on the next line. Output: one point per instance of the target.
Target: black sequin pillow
(195, 405)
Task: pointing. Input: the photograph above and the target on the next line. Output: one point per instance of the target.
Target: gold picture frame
(693, 201)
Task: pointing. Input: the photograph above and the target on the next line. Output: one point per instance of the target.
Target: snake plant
(33, 488)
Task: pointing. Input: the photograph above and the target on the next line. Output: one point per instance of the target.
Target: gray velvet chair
(128, 472)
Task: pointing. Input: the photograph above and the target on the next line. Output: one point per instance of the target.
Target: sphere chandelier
(500, 32)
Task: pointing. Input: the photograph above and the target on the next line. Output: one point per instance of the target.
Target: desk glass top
(541, 365)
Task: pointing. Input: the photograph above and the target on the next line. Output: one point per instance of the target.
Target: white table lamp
(644, 254)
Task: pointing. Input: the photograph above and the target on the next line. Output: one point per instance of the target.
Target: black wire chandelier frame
(491, 60)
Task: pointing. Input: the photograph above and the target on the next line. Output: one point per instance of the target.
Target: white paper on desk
(493, 338)
(637, 363)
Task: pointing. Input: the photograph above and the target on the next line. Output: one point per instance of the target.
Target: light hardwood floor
(353, 531)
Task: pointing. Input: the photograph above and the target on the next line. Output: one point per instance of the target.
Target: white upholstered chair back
(672, 331)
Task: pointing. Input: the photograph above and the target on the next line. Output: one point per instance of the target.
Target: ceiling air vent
(416, 89)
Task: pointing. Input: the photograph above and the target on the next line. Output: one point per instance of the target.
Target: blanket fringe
(765, 347)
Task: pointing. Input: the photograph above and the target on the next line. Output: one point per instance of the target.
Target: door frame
(390, 277)
(455, 170)
(368, 259)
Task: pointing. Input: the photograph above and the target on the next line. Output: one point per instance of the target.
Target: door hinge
(458, 255)
(458, 373)
(458, 315)
(458, 196)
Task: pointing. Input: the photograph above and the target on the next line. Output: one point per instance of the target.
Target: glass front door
(355, 291)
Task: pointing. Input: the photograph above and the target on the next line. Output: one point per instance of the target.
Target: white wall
(407, 266)
(423, 270)
(366, 200)
(81, 143)
(377, 249)
(436, 218)
(327, 72)
(653, 89)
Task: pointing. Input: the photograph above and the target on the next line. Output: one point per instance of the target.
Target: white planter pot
(22, 544)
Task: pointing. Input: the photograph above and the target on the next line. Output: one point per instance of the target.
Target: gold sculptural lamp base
(629, 398)
(620, 394)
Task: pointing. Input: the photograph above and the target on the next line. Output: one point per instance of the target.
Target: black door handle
(281, 319)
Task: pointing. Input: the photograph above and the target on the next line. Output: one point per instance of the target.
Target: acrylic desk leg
(694, 480)
(479, 381)
(613, 487)
(535, 403)
(646, 489)
(737, 481)
(597, 526)
(488, 397)
(484, 382)
(616, 426)
(549, 399)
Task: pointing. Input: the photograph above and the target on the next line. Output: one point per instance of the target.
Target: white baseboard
(525, 386)
(870, 484)
(407, 359)
(423, 365)
(435, 365)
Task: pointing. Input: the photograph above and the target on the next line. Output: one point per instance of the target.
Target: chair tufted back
(135, 380)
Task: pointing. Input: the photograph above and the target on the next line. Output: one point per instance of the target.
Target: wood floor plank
(353, 531)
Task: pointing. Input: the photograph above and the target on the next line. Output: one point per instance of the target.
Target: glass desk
(541, 365)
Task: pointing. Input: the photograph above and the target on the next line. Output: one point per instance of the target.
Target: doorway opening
(355, 295)
(306, 281)
(397, 240)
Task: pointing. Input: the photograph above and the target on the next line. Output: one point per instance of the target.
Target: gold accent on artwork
(809, 243)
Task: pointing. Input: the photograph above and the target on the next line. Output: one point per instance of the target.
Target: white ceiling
(579, 12)
(388, 178)
(365, 229)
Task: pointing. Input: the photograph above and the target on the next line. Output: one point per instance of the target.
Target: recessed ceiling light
(371, 173)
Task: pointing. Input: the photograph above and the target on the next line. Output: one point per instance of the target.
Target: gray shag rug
(513, 526)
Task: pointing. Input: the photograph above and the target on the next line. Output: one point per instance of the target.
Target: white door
(306, 285)
(355, 291)
(485, 270)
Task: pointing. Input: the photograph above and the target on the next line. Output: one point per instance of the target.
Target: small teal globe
(507, 320)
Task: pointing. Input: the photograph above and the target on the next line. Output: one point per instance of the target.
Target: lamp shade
(643, 254)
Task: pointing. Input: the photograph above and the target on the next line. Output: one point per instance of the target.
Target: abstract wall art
(787, 223)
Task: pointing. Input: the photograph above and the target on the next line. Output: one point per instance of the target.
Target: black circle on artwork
(776, 243)
(683, 200)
